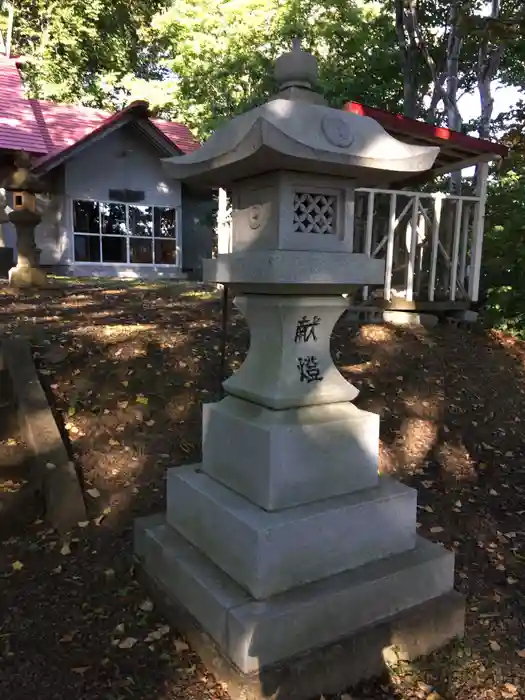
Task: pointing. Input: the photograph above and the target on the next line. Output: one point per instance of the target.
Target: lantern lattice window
(314, 213)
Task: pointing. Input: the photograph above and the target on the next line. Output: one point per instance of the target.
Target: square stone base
(317, 639)
(273, 458)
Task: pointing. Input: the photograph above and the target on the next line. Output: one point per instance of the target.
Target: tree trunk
(408, 62)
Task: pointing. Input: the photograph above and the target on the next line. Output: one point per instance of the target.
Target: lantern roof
(296, 130)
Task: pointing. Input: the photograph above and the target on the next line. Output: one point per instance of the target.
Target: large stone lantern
(25, 218)
(288, 552)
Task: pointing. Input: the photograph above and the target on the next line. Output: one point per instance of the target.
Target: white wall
(121, 160)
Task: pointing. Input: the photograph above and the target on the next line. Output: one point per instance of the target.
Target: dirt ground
(129, 367)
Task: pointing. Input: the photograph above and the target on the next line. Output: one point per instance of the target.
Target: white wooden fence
(427, 240)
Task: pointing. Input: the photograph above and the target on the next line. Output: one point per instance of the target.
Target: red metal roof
(136, 112)
(65, 125)
(19, 130)
(413, 130)
(45, 128)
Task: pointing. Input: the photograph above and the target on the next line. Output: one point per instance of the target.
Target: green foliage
(76, 50)
(201, 61)
(218, 55)
(503, 272)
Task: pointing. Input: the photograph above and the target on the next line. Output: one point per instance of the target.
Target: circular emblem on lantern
(254, 216)
(336, 131)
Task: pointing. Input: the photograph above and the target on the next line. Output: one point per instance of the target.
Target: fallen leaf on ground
(425, 687)
(521, 653)
(66, 549)
(80, 670)
(127, 643)
(101, 517)
(494, 645)
(94, 493)
(180, 646)
(83, 523)
(436, 529)
(510, 690)
(146, 605)
(158, 633)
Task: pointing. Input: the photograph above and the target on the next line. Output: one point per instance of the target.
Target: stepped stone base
(406, 601)
(269, 552)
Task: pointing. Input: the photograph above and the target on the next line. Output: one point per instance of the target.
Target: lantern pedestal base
(318, 638)
(24, 276)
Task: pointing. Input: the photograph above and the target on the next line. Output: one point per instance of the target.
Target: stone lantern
(287, 551)
(25, 218)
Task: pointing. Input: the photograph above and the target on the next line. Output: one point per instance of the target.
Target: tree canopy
(203, 60)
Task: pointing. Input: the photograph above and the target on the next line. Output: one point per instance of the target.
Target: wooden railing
(428, 241)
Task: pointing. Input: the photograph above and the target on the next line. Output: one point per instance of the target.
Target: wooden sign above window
(128, 196)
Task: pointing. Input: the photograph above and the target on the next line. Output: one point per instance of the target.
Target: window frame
(177, 209)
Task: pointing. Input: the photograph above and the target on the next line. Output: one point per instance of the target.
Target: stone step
(254, 634)
(270, 552)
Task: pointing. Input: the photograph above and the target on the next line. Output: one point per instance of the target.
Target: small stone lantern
(25, 218)
(285, 546)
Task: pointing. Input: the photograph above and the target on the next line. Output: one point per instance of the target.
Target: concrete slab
(269, 552)
(260, 634)
(280, 459)
(59, 483)
(409, 318)
(364, 314)
(465, 315)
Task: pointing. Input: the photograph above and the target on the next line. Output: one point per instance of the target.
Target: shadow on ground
(129, 368)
